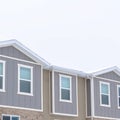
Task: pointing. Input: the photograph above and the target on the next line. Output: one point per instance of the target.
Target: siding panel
(11, 96)
(13, 52)
(112, 111)
(88, 98)
(65, 107)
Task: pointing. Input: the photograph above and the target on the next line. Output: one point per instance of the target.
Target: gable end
(11, 51)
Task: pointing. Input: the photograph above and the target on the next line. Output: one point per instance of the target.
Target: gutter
(69, 71)
(92, 97)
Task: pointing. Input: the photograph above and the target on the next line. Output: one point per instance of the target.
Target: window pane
(105, 100)
(104, 88)
(1, 68)
(65, 94)
(65, 82)
(25, 73)
(6, 117)
(119, 101)
(119, 91)
(15, 118)
(1, 82)
(25, 86)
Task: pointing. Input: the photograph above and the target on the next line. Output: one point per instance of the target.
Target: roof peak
(38, 59)
(25, 50)
(114, 68)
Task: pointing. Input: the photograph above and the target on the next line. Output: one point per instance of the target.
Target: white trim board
(99, 117)
(108, 84)
(118, 96)
(70, 89)
(106, 118)
(20, 79)
(24, 50)
(115, 69)
(3, 76)
(62, 114)
(53, 100)
(21, 108)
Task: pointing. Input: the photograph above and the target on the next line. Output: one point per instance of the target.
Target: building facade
(105, 94)
(32, 89)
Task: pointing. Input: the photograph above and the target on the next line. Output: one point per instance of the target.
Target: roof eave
(25, 50)
(114, 68)
(70, 71)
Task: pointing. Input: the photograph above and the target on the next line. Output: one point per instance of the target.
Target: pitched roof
(40, 60)
(25, 50)
(114, 69)
(70, 71)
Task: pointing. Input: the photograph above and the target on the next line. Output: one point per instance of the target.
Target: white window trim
(109, 105)
(10, 116)
(23, 93)
(3, 62)
(118, 86)
(70, 78)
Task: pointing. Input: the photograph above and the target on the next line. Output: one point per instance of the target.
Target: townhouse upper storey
(103, 92)
(25, 78)
(29, 82)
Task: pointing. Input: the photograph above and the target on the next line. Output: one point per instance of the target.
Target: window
(2, 75)
(25, 80)
(118, 89)
(10, 117)
(104, 94)
(65, 88)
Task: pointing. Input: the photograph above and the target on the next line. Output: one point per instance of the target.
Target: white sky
(77, 34)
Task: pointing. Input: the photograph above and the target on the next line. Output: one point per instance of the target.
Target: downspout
(92, 97)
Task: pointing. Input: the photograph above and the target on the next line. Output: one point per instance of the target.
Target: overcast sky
(77, 34)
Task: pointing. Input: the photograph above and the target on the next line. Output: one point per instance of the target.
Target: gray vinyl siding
(110, 75)
(88, 97)
(13, 52)
(65, 107)
(11, 96)
(113, 110)
(50, 80)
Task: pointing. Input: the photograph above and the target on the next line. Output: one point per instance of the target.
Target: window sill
(105, 105)
(2, 90)
(68, 101)
(26, 94)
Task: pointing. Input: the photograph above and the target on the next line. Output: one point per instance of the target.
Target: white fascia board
(70, 71)
(25, 50)
(8, 42)
(114, 68)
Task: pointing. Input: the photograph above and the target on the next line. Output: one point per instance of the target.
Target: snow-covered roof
(40, 60)
(114, 68)
(25, 50)
(70, 71)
